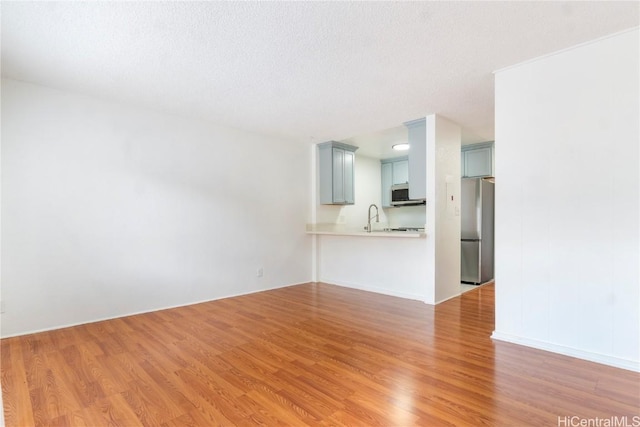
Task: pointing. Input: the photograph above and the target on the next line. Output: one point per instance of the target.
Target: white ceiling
(312, 71)
(378, 144)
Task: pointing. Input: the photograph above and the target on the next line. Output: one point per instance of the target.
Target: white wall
(567, 202)
(406, 216)
(109, 210)
(387, 265)
(443, 212)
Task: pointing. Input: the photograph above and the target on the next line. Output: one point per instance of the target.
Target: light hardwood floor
(312, 354)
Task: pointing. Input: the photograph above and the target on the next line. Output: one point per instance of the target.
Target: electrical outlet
(259, 272)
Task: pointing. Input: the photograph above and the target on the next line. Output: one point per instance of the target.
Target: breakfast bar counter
(336, 230)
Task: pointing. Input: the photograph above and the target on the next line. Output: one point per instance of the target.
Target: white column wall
(567, 202)
(443, 207)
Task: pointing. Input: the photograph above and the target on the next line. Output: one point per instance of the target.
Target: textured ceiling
(303, 70)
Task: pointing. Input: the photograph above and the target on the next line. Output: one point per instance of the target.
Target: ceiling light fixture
(401, 147)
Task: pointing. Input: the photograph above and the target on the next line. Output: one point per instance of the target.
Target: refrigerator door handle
(471, 240)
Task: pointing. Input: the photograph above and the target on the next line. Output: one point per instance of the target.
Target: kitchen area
(386, 210)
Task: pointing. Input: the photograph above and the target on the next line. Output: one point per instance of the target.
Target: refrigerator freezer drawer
(470, 261)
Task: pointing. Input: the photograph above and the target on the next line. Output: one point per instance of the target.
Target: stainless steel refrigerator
(476, 204)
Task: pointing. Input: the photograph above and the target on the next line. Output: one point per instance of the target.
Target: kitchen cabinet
(386, 173)
(393, 171)
(477, 160)
(417, 130)
(400, 173)
(336, 162)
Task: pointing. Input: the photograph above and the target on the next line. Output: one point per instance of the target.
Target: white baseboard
(102, 319)
(604, 359)
(447, 299)
(377, 290)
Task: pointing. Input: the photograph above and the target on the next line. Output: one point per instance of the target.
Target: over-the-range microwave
(400, 196)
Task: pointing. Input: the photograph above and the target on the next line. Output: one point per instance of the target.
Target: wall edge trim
(590, 356)
(153, 310)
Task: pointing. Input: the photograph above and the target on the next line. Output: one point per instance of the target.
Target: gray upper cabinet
(336, 163)
(477, 160)
(400, 173)
(417, 130)
(387, 178)
(393, 171)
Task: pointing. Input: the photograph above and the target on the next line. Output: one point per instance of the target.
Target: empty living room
(176, 249)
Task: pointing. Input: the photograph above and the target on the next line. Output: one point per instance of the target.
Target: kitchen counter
(337, 230)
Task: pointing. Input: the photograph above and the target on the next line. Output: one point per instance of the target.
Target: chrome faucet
(368, 226)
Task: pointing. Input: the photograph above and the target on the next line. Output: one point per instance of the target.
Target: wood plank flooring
(312, 354)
